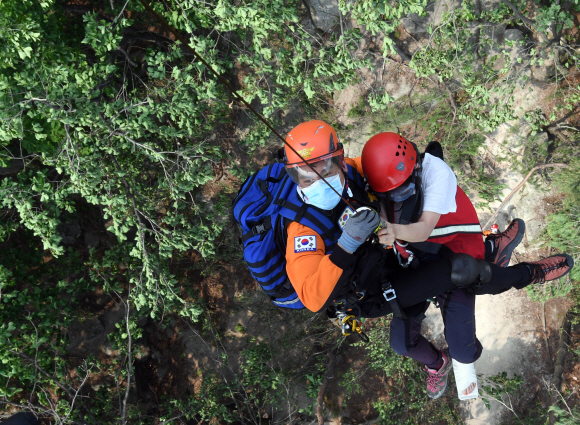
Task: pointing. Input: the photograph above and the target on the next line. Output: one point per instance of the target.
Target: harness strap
(428, 247)
(285, 290)
(258, 229)
(390, 296)
(302, 211)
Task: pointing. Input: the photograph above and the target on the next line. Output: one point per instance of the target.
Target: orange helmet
(313, 140)
(388, 159)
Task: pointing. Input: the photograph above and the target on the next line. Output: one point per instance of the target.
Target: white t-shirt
(439, 186)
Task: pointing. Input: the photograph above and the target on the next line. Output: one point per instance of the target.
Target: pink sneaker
(437, 379)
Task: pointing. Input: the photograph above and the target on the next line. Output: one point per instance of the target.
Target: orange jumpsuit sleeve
(315, 276)
(356, 163)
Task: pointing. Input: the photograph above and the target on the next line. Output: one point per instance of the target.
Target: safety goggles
(401, 193)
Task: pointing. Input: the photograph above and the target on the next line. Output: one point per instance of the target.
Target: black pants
(413, 286)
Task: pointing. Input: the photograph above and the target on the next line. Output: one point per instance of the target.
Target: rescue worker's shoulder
(356, 163)
(303, 239)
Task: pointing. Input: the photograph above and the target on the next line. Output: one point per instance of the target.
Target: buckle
(260, 228)
(392, 292)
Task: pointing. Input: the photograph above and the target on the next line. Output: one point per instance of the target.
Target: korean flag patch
(304, 243)
(346, 214)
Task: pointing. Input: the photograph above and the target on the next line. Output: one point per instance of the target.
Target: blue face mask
(402, 193)
(321, 195)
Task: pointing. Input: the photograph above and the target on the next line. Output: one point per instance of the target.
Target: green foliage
(382, 16)
(106, 109)
(206, 405)
(568, 181)
(358, 110)
(37, 303)
(553, 15)
(564, 417)
(405, 402)
(498, 386)
(452, 54)
(547, 291)
(110, 114)
(563, 234)
(378, 102)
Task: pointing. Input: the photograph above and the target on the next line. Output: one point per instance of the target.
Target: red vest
(460, 231)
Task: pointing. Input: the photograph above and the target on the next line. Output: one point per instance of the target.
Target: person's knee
(466, 353)
(466, 270)
(398, 345)
(398, 337)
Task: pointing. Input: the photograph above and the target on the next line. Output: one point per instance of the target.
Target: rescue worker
(324, 250)
(422, 205)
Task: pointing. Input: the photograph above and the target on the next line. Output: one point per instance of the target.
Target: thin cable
(177, 35)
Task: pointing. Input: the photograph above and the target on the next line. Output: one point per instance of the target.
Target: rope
(177, 35)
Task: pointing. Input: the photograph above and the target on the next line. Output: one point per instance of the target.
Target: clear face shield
(304, 177)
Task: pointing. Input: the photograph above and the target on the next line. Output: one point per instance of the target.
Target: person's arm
(439, 187)
(317, 278)
(414, 232)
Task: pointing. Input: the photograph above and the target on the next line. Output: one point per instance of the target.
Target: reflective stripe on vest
(460, 231)
(453, 229)
(289, 302)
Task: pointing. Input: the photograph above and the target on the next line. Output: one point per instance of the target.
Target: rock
(91, 240)
(16, 165)
(69, 232)
(111, 317)
(540, 138)
(441, 7)
(87, 337)
(493, 39)
(544, 70)
(308, 25)
(415, 24)
(489, 4)
(325, 13)
(514, 40)
(108, 350)
(162, 371)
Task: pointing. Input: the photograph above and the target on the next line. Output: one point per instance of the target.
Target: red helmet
(388, 159)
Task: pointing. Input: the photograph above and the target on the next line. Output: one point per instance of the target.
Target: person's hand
(387, 234)
(358, 228)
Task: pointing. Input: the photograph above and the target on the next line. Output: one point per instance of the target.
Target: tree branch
(323, 387)
(518, 13)
(53, 379)
(560, 360)
(519, 186)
